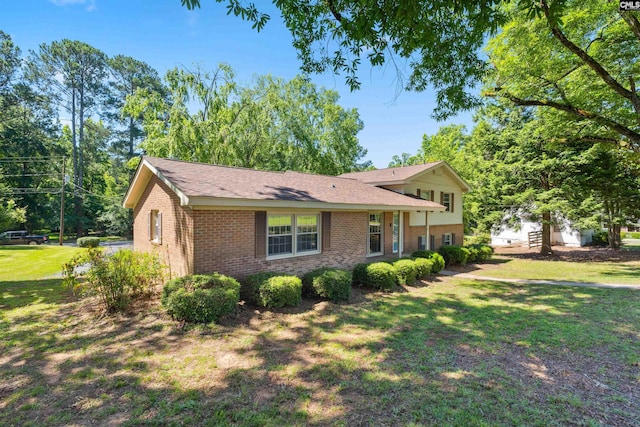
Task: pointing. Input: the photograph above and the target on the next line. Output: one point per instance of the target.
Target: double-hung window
(292, 234)
(155, 226)
(447, 201)
(375, 234)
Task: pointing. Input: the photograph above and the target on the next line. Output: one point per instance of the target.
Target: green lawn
(447, 352)
(25, 262)
(621, 272)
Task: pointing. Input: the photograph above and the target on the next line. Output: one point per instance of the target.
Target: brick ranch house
(204, 218)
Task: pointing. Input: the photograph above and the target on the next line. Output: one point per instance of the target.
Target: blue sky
(165, 35)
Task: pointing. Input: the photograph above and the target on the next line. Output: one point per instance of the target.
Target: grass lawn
(24, 262)
(447, 352)
(622, 272)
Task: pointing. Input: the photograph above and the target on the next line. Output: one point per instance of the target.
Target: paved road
(541, 282)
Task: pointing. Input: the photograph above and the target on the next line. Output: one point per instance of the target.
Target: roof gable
(405, 174)
(199, 184)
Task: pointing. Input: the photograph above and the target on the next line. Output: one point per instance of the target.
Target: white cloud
(91, 4)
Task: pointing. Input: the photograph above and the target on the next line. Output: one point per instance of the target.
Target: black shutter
(432, 242)
(453, 238)
(261, 234)
(451, 202)
(326, 231)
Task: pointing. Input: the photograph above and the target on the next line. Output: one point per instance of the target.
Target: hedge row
(460, 255)
(206, 298)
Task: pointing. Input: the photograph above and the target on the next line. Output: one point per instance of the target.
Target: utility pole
(61, 236)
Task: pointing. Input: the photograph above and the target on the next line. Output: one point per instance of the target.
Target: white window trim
(294, 233)
(372, 254)
(155, 227)
(449, 237)
(449, 207)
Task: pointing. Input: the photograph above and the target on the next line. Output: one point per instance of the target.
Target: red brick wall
(411, 235)
(177, 224)
(438, 230)
(224, 242)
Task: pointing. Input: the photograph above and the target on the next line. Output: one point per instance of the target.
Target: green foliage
(631, 235)
(116, 279)
(330, 283)
(435, 257)
(479, 252)
(280, 291)
(272, 124)
(484, 239)
(88, 242)
(250, 287)
(406, 271)
(338, 36)
(201, 298)
(454, 255)
(380, 275)
(424, 267)
(359, 274)
(600, 238)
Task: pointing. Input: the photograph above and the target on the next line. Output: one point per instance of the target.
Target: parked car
(21, 238)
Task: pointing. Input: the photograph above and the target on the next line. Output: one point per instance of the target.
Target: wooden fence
(535, 239)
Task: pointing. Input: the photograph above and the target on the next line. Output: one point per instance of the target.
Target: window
(446, 200)
(155, 226)
(396, 232)
(447, 239)
(375, 233)
(292, 234)
(424, 194)
(422, 243)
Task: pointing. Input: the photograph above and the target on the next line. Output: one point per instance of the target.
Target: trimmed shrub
(438, 260)
(473, 253)
(280, 291)
(454, 255)
(381, 275)
(330, 283)
(201, 298)
(88, 242)
(423, 267)
(482, 252)
(406, 272)
(359, 274)
(250, 289)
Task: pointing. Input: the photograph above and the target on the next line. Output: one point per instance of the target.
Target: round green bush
(454, 255)
(88, 242)
(423, 267)
(280, 291)
(330, 283)
(438, 260)
(250, 289)
(474, 253)
(483, 252)
(359, 275)
(406, 271)
(381, 275)
(201, 298)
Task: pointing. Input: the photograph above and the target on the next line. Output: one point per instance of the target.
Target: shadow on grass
(464, 353)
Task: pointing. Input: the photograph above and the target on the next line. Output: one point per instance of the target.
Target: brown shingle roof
(389, 175)
(198, 180)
